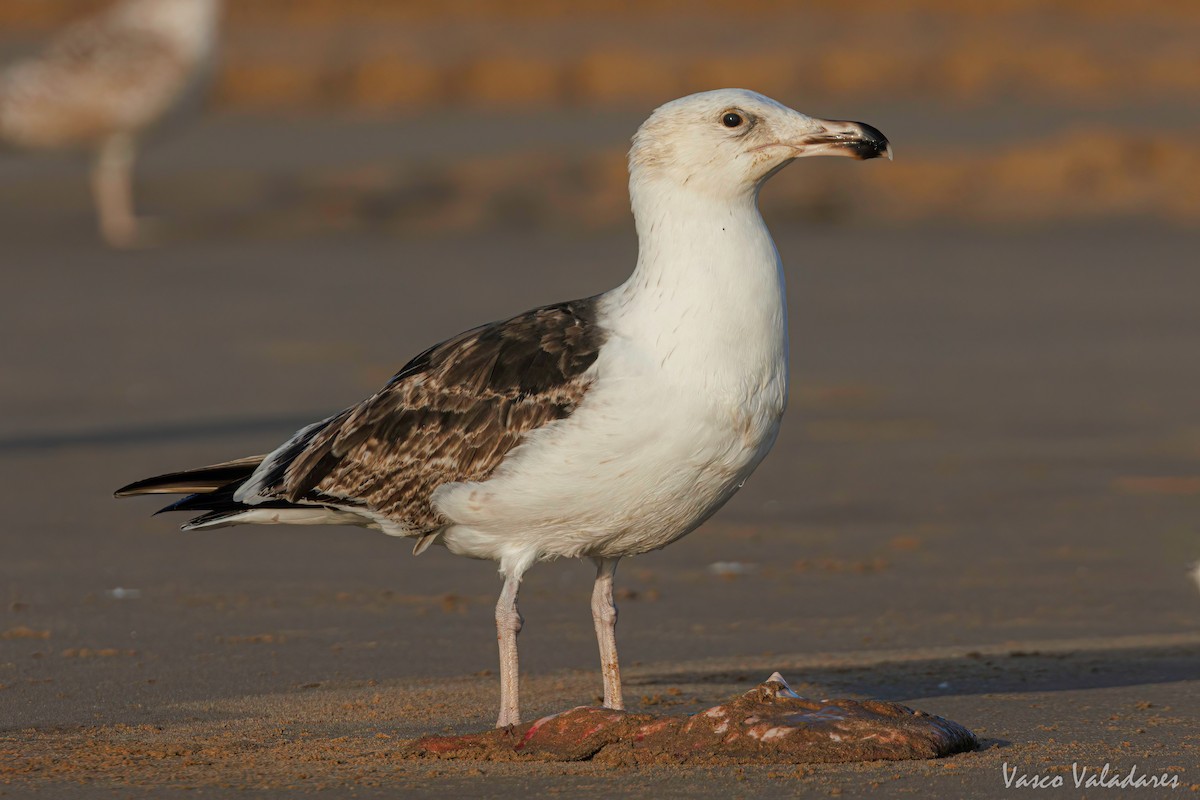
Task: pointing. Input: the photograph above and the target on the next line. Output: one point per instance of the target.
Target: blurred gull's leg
(112, 188)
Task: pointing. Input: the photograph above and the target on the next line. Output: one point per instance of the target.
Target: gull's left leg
(604, 614)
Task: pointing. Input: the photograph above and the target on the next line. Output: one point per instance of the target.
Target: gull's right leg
(604, 615)
(508, 625)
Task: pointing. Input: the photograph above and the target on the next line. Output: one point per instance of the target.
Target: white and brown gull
(101, 83)
(597, 428)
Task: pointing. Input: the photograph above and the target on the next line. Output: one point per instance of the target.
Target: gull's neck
(708, 289)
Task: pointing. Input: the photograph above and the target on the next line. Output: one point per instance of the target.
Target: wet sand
(983, 504)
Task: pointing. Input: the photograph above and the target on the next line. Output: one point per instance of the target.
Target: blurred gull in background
(101, 84)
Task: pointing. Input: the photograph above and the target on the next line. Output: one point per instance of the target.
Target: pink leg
(604, 615)
(508, 625)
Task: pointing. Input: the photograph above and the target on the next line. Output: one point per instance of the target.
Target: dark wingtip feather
(204, 479)
(146, 486)
(184, 504)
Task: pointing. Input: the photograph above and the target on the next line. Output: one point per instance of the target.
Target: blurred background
(426, 116)
(994, 431)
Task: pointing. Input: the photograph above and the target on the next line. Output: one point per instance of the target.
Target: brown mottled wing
(451, 414)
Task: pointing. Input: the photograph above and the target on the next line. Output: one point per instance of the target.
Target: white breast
(687, 397)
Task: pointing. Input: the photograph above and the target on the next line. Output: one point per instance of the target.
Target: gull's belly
(608, 482)
(683, 496)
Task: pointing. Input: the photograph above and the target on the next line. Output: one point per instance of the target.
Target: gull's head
(729, 141)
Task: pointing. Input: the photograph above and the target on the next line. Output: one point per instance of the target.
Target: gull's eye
(731, 119)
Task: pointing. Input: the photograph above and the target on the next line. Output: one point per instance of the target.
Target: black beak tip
(873, 143)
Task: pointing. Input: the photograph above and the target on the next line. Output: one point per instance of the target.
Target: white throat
(708, 289)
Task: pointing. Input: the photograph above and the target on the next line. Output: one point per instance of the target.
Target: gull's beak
(835, 137)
